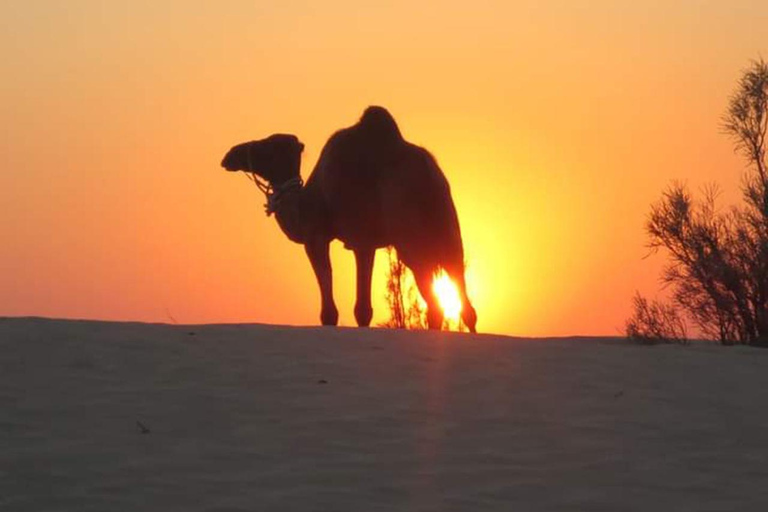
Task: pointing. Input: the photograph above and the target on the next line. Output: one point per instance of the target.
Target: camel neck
(291, 213)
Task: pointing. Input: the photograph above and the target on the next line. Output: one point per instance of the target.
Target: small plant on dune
(405, 310)
(718, 269)
(655, 322)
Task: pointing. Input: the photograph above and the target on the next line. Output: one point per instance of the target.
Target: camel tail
(380, 124)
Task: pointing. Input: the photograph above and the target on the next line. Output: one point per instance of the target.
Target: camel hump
(379, 123)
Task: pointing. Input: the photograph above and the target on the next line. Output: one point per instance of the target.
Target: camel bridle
(274, 195)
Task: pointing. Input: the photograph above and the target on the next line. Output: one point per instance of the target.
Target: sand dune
(250, 417)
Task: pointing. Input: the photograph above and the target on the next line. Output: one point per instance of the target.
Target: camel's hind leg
(468, 313)
(424, 275)
(424, 270)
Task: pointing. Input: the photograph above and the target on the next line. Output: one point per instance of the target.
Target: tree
(718, 266)
(406, 312)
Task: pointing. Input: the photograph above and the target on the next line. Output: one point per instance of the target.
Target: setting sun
(448, 296)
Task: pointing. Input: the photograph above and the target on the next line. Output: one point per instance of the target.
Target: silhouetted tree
(404, 308)
(719, 260)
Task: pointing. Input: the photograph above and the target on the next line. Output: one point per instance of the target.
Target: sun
(447, 296)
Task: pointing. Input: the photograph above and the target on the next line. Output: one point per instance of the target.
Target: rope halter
(273, 195)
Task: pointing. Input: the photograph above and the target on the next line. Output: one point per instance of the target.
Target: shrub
(718, 268)
(654, 322)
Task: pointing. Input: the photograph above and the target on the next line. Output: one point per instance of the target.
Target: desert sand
(254, 417)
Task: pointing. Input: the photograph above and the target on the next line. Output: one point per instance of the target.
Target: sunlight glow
(447, 295)
(518, 102)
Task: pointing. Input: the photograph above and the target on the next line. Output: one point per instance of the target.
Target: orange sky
(556, 124)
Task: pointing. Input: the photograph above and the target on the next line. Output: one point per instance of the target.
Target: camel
(370, 189)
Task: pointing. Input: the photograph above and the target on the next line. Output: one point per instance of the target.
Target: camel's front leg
(363, 310)
(321, 264)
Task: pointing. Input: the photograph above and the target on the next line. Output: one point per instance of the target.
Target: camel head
(276, 159)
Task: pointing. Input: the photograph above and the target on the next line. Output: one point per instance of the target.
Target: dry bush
(718, 269)
(405, 310)
(654, 322)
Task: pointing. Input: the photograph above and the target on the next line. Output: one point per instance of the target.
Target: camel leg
(363, 310)
(318, 253)
(424, 277)
(468, 313)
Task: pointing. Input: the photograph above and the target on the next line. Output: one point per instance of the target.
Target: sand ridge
(254, 417)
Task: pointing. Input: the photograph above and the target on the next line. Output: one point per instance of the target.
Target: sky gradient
(557, 124)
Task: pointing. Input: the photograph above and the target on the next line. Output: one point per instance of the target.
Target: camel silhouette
(370, 189)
